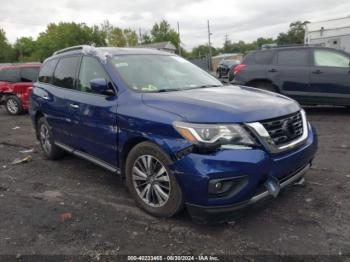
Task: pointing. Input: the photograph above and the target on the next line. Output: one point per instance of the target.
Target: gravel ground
(73, 207)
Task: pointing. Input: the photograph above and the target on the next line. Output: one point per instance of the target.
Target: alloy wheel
(12, 106)
(151, 181)
(45, 138)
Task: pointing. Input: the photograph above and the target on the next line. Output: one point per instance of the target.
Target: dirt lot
(102, 217)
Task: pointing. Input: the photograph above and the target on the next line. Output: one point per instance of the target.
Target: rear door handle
(317, 72)
(272, 70)
(74, 106)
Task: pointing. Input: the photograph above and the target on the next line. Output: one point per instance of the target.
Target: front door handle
(74, 106)
(272, 70)
(317, 72)
(45, 97)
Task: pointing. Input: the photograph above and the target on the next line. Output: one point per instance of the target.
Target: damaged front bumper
(226, 213)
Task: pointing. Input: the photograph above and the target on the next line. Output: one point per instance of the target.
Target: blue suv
(175, 133)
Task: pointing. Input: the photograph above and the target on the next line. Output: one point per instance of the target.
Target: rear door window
(46, 72)
(65, 72)
(29, 74)
(263, 58)
(299, 57)
(9, 75)
(330, 58)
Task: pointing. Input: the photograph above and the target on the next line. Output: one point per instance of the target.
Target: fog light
(218, 185)
(226, 186)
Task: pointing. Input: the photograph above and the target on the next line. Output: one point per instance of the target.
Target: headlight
(214, 134)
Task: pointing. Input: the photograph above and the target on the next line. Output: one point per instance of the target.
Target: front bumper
(226, 213)
(194, 171)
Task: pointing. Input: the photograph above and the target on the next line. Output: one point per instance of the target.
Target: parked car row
(177, 135)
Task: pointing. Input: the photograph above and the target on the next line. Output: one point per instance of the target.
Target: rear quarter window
(263, 58)
(46, 71)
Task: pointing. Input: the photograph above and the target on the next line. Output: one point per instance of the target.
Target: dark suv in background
(311, 75)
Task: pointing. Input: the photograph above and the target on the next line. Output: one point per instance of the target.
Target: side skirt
(88, 157)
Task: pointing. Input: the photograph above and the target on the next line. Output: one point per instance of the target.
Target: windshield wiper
(166, 90)
(203, 86)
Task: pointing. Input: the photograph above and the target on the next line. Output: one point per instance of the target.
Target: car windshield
(161, 73)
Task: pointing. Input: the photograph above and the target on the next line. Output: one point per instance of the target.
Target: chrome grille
(284, 129)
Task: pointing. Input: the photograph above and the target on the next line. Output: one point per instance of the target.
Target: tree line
(294, 35)
(66, 34)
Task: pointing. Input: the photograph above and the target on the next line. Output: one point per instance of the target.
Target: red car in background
(15, 85)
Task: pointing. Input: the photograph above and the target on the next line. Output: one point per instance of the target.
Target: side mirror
(100, 86)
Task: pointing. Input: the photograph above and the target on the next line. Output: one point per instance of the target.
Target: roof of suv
(291, 47)
(108, 51)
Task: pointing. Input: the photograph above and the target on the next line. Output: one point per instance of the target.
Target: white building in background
(333, 33)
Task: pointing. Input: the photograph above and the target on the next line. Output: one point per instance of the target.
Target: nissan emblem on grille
(284, 129)
(288, 128)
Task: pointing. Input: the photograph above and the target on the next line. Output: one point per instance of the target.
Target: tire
(13, 105)
(266, 86)
(164, 197)
(230, 77)
(50, 150)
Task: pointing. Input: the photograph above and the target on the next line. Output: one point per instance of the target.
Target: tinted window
(65, 72)
(9, 75)
(293, 57)
(90, 69)
(331, 58)
(29, 74)
(263, 58)
(46, 72)
(248, 59)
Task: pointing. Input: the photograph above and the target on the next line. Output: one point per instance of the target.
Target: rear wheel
(51, 151)
(13, 105)
(266, 86)
(151, 182)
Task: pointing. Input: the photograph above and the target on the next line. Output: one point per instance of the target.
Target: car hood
(226, 104)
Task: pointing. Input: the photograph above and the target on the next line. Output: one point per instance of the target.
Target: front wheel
(151, 182)
(13, 105)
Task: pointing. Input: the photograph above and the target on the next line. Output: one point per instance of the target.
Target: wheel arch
(125, 150)
(37, 116)
(254, 82)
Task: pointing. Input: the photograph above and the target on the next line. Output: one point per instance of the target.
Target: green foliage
(163, 32)
(295, 34)
(62, 35)
(25, 50)
(203, 50)
(119, 37)
(146, 39)
(6, 50)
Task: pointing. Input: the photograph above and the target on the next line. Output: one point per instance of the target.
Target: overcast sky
(239, 19)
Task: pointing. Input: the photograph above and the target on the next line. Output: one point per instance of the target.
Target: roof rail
(272, 46)
(72, 48)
